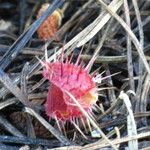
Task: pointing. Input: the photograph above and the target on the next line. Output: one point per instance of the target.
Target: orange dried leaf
(50, 26)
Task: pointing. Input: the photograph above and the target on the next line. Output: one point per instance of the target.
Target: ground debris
(110, 40)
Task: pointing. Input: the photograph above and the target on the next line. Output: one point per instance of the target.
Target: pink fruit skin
(72, 78)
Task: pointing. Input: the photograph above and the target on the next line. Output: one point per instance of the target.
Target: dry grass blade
(99, 22)
(13, 88)
(114, 105)
(67, 148)
(98, 145)
(129, 52)
(9, 127)
(105, 59)
(144, 95)
(4, 91)
(104, 39)
(63, 30)
(100, 44)
(90, 119)
(118, 134)
(138, 16)
(131, 125)
(25, 37)
(131, 34)
(7, 103)
(4, 78)
(27, 140)
(25, 71)
(76, 40)
(141, 35)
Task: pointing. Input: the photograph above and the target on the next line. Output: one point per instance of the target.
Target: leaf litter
(99, 41)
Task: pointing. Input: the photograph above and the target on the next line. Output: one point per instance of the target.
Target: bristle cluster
(72, 93)
(74, 79)
(50, 26)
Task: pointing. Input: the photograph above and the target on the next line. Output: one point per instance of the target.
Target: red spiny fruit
(77, 81)
(49, 27)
